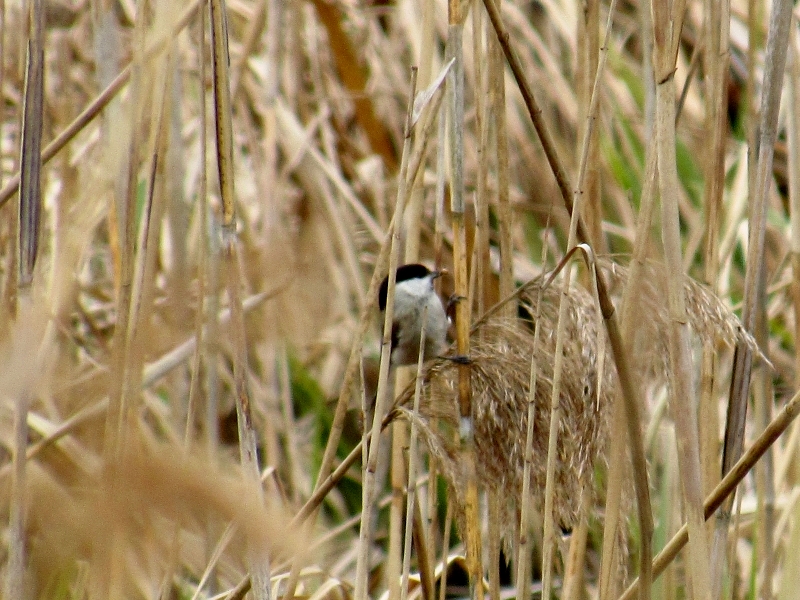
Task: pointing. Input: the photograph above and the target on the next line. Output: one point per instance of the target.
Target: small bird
(412, 293)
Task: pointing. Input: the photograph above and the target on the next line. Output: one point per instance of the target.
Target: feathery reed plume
(500, 354)
(500, 379)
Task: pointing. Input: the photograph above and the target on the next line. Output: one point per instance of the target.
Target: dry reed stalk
(611, 554)
(524, 548)
(29, 225)
(400, 530)
(203, 272)
(483, 285)
(575, 218)
(726, 487)
(575, 563)
(438, 259)
(411, 496)
(425, 60)
(793, 138)
(628, 390)
(401, 466)
(456, 15)
(100, 102)
(775, 59)
(505, 217)
(555, 412)
(716, 54)
(259, 563)
(588, 55)
(667, 25)
(371, 454)
(354, 78)
(481, 271)
(764, 397)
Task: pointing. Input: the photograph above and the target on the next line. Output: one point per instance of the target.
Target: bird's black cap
(404, 273)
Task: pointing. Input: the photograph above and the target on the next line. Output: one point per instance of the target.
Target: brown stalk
(412, 510)
(482, 287)
(588, 50)
(667, 21)
(764, 398)
(30, 204)
(774, 61)
(94, 108)
(523, 557)
(555, 410)
(793, 138)
(606, 306)
(370, 464)
(259, 563)
(497, 102)
(725, 488)
(354, 78)
(716, 56)
(203, 268)
(616, 472)
(573, 570)
(149, 227)
(457, 12)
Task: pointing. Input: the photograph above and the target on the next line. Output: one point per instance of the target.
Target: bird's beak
(437, 274)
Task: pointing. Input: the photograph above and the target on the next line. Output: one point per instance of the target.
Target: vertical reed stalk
(716, 58)
(426, 57)
(371, 453)
(395, 561)
(448, 520)
(523, 558)
(667, 25)
(588, 35)
(202, 267)
(793, 138)
(573, 571)
(505, 217)
(764, 398)
(259, 563)
(775, 60)
(481, 266)
(457, 13)
(30, 207)
(630, 307)
(607, 307)
(555, 404)
(411, 490)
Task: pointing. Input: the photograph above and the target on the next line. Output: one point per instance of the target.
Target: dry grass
(128, 364)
